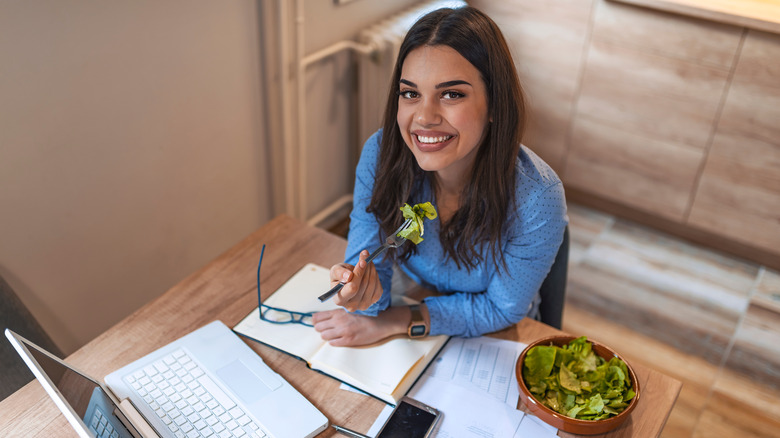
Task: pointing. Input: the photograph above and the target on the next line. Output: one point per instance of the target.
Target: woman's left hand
(343, 329)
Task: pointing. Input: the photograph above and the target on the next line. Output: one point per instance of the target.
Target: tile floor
(710, 320)
(705, 318)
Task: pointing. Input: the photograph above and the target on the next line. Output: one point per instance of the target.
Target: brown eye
(407, 94)
(451, 95)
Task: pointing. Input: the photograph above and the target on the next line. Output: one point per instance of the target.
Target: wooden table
(225, 289)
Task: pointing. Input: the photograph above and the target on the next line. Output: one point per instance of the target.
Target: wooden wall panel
(547, 39)
(663, 118)
(740, 202)
(650, 175)
(660, 97)
(699, 41)
(739, 192)
(748, 128)
(651, 90)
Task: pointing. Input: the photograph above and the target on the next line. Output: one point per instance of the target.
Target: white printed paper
(473, 384)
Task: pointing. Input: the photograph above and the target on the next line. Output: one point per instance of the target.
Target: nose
(428, 113)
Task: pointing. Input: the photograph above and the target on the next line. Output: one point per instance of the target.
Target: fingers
(340, 328)
(361, 287)
(322, 317)
(331, 325)
(360, 296)
(340, 273)
(361, 266)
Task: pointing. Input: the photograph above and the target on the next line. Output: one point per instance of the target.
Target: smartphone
(410, 419)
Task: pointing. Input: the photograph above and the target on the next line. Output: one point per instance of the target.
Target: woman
(451, 135)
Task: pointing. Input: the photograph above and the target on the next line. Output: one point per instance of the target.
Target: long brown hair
(487, 199)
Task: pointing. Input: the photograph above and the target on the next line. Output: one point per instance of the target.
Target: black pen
(348, 432)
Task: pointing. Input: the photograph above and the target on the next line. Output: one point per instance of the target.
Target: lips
(432, 142)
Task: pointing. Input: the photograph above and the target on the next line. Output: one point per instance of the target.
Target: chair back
(15, 316)
(553, 289)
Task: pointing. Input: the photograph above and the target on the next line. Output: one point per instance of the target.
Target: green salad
(415, 229)
(574, 381)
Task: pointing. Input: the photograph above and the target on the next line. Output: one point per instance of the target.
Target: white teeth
(439, 139)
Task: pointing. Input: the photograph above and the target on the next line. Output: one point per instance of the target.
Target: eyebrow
(441, 85)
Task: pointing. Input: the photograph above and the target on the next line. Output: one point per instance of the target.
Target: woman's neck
(448, 195)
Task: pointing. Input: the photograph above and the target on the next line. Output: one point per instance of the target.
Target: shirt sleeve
(534, 237)
(364, 231)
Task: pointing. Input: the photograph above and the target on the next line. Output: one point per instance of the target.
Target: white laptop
(208, 383)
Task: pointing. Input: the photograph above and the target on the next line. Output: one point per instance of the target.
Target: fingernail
(345, 277)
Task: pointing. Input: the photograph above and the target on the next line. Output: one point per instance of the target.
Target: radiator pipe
(364, 49)
(301, 64)
(301, 103)
(289, 151)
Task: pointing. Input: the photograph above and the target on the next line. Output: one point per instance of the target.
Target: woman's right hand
(361, 284)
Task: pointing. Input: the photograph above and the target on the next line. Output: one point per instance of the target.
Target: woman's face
(442, 110)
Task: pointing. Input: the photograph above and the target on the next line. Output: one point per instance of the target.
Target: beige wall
(131, 151)
(140, 139)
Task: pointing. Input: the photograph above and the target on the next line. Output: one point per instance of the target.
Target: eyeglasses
(275, 315)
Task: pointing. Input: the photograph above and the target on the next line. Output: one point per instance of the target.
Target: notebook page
(379, 368)
(298, 294)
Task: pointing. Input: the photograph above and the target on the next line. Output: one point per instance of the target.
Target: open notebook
(385, 370)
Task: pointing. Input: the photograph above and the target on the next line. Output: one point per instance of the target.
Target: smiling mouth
(433, 140)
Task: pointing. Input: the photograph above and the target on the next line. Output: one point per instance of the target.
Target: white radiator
(375, 70)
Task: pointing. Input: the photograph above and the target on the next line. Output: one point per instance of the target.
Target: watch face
(417, 330)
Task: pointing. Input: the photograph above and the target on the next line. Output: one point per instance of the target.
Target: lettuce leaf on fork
(416, 229)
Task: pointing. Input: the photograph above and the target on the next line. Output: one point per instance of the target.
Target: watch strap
(417, 326)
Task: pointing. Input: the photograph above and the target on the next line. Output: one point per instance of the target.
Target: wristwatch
(417, 327)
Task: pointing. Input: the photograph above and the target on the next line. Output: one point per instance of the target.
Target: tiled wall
(739, 192)
(668, 116)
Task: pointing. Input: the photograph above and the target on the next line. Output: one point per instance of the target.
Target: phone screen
(408, 421)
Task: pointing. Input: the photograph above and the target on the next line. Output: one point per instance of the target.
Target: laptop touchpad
(246, 384)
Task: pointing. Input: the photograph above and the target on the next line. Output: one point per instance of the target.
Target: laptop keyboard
(189, 402)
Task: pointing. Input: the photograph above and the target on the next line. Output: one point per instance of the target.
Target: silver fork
(392, 241)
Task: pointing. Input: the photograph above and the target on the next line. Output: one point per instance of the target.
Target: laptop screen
(85, 396)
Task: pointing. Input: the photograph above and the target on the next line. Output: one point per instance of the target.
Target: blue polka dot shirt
(487, 298)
